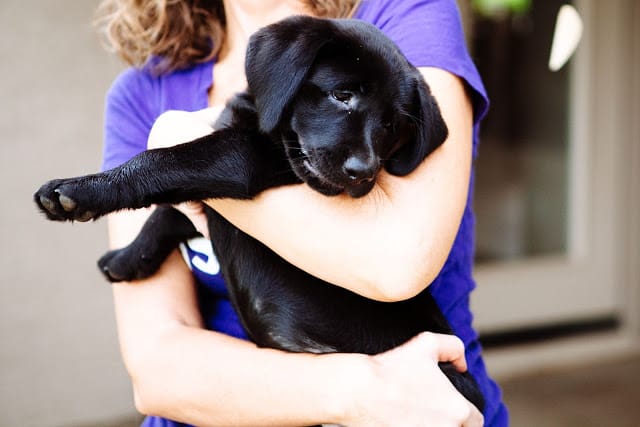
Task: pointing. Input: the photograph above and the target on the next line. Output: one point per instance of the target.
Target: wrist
(355, 375)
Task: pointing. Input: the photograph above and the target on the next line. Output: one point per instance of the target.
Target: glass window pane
(521, 173)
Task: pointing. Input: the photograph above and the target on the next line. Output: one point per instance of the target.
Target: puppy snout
(360, 170)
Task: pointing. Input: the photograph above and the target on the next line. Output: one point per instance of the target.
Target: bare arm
(396, 239)
(183, 372)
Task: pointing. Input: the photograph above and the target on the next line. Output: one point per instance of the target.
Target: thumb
(443, 348)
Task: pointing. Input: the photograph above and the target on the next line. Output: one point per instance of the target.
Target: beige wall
(59, 361)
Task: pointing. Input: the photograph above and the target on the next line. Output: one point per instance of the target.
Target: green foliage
(493, 8)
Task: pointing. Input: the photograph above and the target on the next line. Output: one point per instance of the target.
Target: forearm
(183, 372)
(205, 378)
(208, 379)
(361, 245)
(394, 241)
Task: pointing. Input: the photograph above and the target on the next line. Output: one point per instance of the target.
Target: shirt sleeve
(129, 115)
(430, 34)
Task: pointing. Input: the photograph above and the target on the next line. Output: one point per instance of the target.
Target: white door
(550, 176)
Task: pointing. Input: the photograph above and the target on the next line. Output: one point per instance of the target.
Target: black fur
(329, 103)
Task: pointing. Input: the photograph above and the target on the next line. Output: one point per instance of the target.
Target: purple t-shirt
(429, 33)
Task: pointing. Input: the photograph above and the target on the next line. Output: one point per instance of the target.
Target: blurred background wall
(59, 362)
(557, 201)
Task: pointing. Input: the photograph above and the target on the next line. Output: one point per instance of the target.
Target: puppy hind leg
(464, 383)
(161, 234)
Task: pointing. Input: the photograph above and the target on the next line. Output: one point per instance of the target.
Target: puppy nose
(360, 169)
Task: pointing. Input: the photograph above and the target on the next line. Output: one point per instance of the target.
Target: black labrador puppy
(329, 103)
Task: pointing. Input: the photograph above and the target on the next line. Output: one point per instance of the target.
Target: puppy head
(345, 101)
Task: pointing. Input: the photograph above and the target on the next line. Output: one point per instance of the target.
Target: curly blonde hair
(178, 32)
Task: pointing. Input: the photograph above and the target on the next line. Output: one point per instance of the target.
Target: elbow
(399, 288)
(398, 293)
(140, 400)
(148, 377)
(404, 275)
(144, 399)
(149, 391)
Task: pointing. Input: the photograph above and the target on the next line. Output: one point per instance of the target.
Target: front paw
(59, 200)
(126, 265)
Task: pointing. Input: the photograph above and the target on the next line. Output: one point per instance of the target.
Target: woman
(408, 233)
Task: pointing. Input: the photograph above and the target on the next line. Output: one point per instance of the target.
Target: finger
(209, 115)
(445, 348)
(194, 211)
(191, 207)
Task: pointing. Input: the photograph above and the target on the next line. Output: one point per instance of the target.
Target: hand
(177, 127)
(409, 388)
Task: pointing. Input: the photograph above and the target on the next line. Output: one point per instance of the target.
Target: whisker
(303, 157)
(414, 118)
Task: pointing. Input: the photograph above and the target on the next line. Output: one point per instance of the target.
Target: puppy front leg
(161, 234)
(225, 164)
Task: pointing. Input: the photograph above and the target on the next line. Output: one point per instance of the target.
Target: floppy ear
(428, 133)
(279, 58)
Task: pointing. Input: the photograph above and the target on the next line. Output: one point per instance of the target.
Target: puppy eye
(389, 126)
(341, 95)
